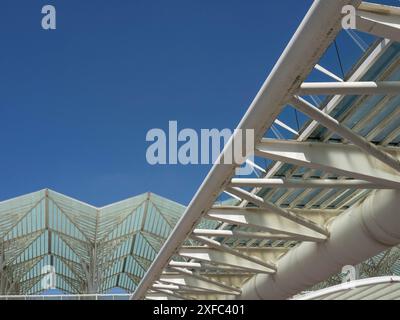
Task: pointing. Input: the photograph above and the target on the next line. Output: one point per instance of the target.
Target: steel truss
(331, 166)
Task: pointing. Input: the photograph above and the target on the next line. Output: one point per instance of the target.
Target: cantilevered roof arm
(317, 31)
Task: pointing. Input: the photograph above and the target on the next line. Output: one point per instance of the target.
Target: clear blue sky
(76, 103)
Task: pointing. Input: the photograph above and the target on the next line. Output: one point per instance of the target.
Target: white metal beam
(370, 289)
(358, 74)
(358, 234)
(328, 73)
(315, 34)
(379, 20)
(334, 125)
(188, 282)
(168, 293)
(202, 266)
(310, 183)
(286, 127)
(349, 88)
(342, 159)
(251, 235)
(207, 268)
(188, 273)
(268, 221)
(231, 259)
(245, 195)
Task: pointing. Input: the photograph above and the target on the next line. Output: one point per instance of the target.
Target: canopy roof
(348, 147)
(380, 288)
(92, 249)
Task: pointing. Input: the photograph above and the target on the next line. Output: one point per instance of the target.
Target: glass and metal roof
(347, 147)
(92, 249)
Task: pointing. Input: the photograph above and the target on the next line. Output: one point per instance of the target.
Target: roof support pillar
(92, 273)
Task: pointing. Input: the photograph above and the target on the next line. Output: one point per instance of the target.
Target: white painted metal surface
(380, 288)
(356, 235)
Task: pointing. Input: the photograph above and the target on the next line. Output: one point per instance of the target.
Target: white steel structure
(381, 288)
(91, 249)
(330, 195)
